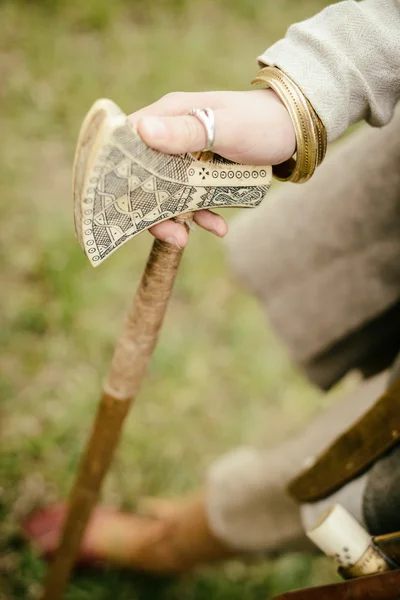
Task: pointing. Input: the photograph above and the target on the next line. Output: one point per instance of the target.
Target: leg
(169, 536)
(247, 504)
(243, 509)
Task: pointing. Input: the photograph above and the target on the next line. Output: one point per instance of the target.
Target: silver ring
(206, 117)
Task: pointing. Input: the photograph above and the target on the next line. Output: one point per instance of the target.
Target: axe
(121, 187)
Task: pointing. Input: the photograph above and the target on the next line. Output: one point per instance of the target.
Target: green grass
(219, 377)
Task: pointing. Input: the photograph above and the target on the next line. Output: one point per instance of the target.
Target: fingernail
(154, 127)
(219, 233)
(173, 241)
(220, 229)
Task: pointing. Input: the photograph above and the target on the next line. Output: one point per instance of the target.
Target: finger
(173, 135)
(171, 232)
(177, 103)
(211, 222)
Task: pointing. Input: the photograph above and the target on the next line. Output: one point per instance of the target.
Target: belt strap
(351, 454)
(383, 586)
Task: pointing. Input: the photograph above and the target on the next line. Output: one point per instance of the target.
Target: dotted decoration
(102, 181)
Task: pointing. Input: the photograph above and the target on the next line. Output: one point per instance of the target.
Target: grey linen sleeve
(346, 60)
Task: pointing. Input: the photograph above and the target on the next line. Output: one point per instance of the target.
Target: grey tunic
(323, 259)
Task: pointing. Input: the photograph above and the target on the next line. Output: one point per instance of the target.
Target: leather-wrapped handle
(128, 368)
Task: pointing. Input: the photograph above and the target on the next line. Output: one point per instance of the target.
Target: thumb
(173, 135)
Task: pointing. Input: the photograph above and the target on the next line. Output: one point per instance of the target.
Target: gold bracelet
(311, 138)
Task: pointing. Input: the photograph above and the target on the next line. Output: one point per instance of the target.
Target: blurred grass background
(219, 377)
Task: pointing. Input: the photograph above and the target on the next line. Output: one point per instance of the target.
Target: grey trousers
(324, 260)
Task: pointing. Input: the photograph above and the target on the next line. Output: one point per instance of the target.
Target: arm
(346, 60)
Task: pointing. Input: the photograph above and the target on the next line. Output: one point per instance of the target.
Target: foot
(172, 537)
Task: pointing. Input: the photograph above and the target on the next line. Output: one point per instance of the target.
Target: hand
(251, 127)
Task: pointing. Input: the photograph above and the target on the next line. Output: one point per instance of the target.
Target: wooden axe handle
(128, 367)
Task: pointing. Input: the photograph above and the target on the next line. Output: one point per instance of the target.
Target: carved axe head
(122, 187)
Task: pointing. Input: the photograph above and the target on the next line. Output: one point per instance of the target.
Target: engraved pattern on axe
(127, 187)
